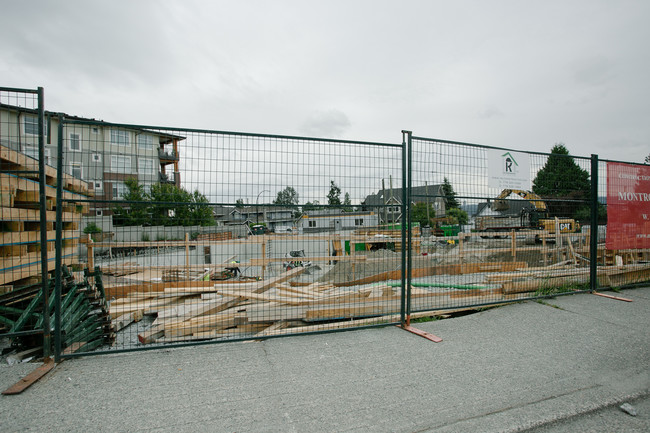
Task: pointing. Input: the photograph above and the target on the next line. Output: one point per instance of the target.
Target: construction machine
(535, 217)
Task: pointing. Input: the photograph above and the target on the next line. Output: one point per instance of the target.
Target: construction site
(96, 258)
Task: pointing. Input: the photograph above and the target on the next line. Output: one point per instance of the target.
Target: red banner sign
(628, 206)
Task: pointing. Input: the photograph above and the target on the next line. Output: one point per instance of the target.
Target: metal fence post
(59, 242)
(407, 209)
(403, 252)
(43, 223)
(593, 239)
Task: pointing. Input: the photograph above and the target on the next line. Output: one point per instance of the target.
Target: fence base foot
(618, 298)
(421, 333)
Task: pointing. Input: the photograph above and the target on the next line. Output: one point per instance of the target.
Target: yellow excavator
(532, 218)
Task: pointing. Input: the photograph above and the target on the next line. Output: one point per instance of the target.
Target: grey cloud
(490, 112)
(330, 123)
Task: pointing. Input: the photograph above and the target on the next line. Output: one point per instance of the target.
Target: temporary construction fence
(170, 236)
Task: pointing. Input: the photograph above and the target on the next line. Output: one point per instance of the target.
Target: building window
(75, 170)
(30, 124)
(120, 164)
(311, 223)
(94, 130)
(96, 157)
(119, 137)
(98, 185)
(32, 152)
(74, 143)
(145, 141)
(358, 221)
(145, 166)
(99, 213)
(119, 189)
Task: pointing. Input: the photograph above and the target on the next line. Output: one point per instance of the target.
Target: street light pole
(257, 208)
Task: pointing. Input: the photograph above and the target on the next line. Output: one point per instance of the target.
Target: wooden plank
(24, 162)
(146, 306)
(150, 335)
(23, 237)
(267, 261)
(7, 264)
(30, 379)
(454, 269)
(16, 214)
(221, 320)
(11, 275)
(280, 324)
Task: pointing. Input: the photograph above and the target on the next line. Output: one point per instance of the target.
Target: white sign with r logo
(508, 169)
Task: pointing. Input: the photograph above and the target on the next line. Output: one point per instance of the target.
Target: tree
(172, 205)
(647, 159)
(201, 213)
(334, 196)
(450, 195)
(287, 197)
(419, 214)
(562, 183)
(311, 205)
(239, 203)
(458, 215)
(136, 212)
(347, 203)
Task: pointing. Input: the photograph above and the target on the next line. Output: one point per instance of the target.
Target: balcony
(167, 178)
(167, 157)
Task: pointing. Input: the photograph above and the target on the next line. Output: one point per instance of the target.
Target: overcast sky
(515, 74)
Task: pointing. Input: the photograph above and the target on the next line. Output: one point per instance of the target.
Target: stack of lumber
(224, 236)
(122, 270)
(20, 218)
(532, 279)
(184, 274)
(207, 310)
(268, 307)
(85, 323)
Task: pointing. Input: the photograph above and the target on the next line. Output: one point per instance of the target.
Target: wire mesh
(22, 252)
(623, 249)
(207, 235)
(497, 224)
(171, 236)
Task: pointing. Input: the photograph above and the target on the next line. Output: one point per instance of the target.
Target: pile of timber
(85, 323)
(269, 307)
(185, 274)
(562, 275)
(20, 218)
(223, 236)
(122, 270)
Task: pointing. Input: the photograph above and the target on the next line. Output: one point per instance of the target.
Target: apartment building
(102, 154)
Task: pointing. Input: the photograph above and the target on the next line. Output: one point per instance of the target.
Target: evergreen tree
(334, 196)
(347, 203)
(450, 194)
(562, 183)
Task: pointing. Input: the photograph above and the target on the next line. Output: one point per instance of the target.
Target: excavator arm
(500, 203)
